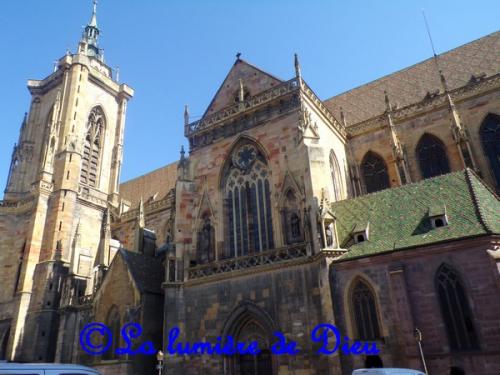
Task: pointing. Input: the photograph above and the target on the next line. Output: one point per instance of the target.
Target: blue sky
(176, 52)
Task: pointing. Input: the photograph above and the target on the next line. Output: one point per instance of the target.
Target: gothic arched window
(291, 219)
(92, 147)
(248, 224)
(364, 309)
(336, 176)
(374, 172)
(490, 139)
(431, 156)
(455, 309)
(113, 323)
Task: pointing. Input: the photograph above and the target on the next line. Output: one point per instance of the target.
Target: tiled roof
(159, 182)
(148, 272)
(410, 85)
(398, 218)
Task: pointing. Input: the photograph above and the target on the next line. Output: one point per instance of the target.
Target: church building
(376, 211)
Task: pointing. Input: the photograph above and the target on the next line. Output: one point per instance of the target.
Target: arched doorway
(249, 323)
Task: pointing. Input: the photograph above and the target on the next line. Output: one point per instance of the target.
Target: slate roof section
(148, 272)
(410, 85)
(399, 217)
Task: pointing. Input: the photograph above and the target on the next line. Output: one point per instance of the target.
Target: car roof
(46, 366)
(386, 370)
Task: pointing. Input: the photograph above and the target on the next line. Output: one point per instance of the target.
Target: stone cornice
(281, 258)
(20, 206)
(429, 103)
(150, 207)
(309, 93)
(226, 114)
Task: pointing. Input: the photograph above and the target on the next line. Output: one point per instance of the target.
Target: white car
(45, 369)
(386, 371)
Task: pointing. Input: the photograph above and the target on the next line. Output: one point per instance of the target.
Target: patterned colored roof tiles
(399, 217)
(411, 85)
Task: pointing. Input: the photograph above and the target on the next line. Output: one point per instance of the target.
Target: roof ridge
(469, 174)
(413, 65)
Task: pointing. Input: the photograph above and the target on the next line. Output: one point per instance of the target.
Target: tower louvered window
(92, 147)
(455, 308)
(249, 227)
(374, 172)
(431, 155)
(365, 312)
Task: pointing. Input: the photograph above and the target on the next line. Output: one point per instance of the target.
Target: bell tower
(64, 176)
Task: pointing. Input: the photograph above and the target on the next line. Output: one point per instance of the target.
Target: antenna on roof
(430, 39)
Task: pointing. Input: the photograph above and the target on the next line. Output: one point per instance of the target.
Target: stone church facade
(375, 211)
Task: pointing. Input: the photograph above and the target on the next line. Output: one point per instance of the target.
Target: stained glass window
(336, 177)
(490, 139)
(431, 155)
(455, 309)
(248, 202)
(365, 312)
(374, 172)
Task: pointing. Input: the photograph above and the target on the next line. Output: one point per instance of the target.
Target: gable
(254, 82)
(118, 288)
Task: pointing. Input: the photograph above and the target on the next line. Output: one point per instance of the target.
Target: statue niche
(205, 244)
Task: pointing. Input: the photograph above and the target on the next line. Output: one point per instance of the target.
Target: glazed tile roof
(398, 218)
(148, 272)
(410, 85)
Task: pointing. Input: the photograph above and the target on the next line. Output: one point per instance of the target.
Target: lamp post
(159, 358)
(418, 336)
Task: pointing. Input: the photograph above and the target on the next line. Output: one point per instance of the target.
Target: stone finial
(74, 249)
(444, 85)
(25, 120)
(140, 216)
(388, 106)
(183, 153)
(186, 115)
(58, 252)
(241, 94)
(298, 72)
(238, 56)
(342, 117)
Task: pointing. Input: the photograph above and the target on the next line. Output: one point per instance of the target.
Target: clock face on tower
(245, 157)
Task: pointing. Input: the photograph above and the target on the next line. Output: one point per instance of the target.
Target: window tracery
(364, 309)
(455, 308)
(336, 177)
(375, 173)
(490, 139)
(431, 155)
(248, 202)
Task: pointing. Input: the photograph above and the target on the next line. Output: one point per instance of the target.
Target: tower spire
(88, 44)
